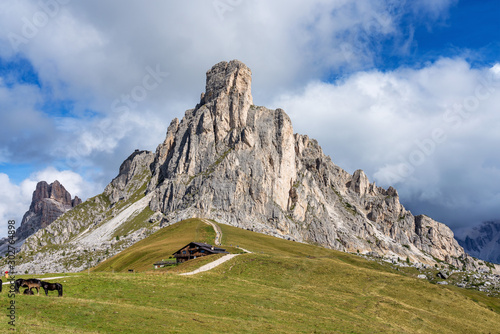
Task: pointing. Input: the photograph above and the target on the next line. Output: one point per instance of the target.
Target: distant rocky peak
(482, 241)
(55, 191)
(48, 202)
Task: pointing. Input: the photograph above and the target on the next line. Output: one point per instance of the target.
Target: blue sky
(407, 91)
(469, 26)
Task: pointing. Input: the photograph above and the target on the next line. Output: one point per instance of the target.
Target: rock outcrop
(98, 228)
(127, 187)
(133, 172)
(47, 204)
(483, 241)
(242, 165)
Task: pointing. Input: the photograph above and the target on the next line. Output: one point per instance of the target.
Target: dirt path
(218, 238)
(243, 249)
(211, 265)
(46, 279)
(218, 232)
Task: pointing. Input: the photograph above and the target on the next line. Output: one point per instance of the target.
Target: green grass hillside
(282, 287)
(161, 245)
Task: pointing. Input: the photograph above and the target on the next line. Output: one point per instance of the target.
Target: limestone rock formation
(133, 171)
(95, 230)
(133, 176)
(242, 165)
(47, 204)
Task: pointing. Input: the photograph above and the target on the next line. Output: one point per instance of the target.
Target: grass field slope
(281, 287)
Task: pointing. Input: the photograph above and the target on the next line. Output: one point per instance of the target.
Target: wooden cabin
(196, 249)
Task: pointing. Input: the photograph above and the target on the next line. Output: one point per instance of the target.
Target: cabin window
(184, 252)
(202, 251)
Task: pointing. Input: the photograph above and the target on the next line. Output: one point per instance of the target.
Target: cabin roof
(207, 247)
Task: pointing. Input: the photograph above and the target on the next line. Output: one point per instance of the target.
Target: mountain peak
(231, 78)
(242, 165)
(55, 191)
(49, 201)
(482, 241)
(228, 95)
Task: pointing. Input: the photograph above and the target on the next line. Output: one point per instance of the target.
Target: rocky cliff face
(49, 201)
(98, 228)
(483, 241)
(134, 171)
(242, 165)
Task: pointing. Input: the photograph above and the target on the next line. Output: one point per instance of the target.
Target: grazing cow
(28, 292)
(52, 286)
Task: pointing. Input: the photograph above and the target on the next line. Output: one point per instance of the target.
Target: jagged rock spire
(228, 95)
(49, 201)
(233, 78)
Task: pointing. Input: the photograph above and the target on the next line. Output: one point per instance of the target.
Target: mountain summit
(242, 165)
(49, 201)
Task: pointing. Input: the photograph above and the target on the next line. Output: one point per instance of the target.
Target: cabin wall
(190, 253)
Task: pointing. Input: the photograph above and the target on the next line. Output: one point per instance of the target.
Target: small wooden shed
(196, 249)
(164, 263)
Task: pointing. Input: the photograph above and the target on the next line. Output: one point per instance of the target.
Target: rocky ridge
(242, 165)
(71, 241)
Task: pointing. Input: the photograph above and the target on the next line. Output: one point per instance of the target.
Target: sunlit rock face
(242, 165)
(48, 203)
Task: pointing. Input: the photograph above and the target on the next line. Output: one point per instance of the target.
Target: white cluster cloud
(15, 199)
(23, 128)
(429, 132)
(13, 203)
(93, 54)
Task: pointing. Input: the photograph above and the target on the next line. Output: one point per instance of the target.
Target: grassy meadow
(282, 287)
